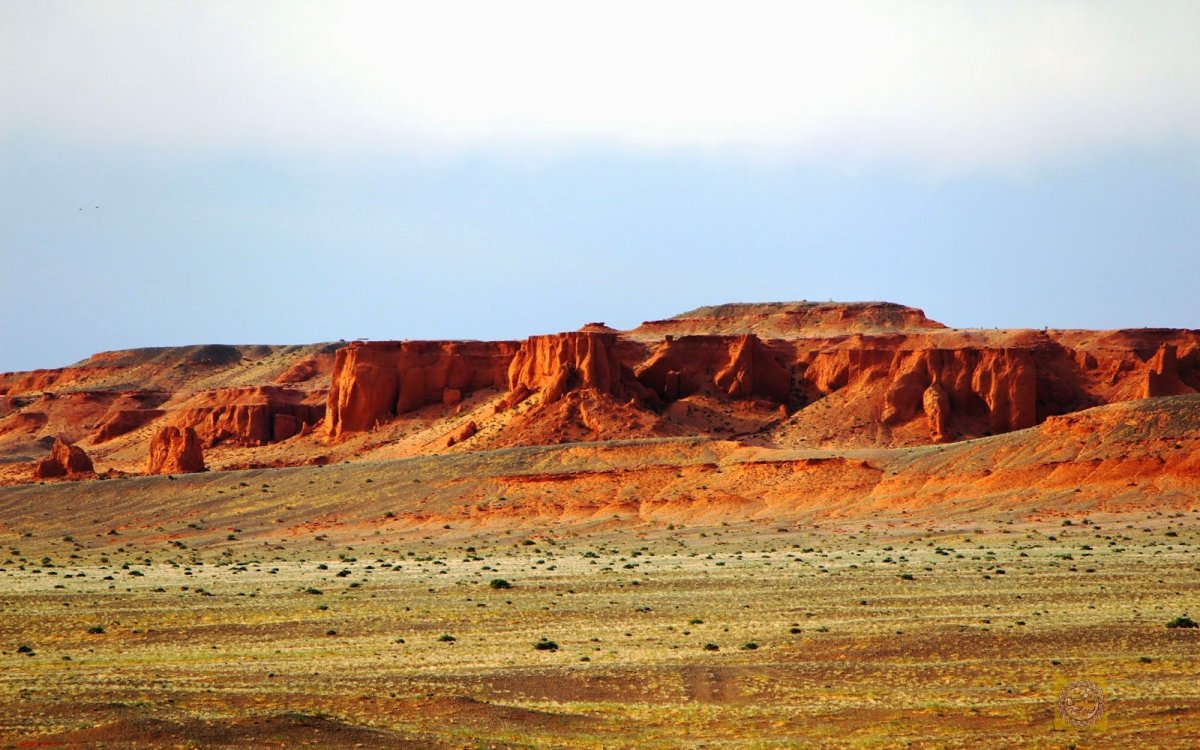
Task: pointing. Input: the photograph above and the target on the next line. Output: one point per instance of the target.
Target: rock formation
(316, 365)
(936, 405)
(790, 319)
(463, 433)
(788, 375)
(1162, 374)
(65, 460)
(375, 381)
(554, 364)
(124, 421)
(175, 450)
(996, 389)
(247, 416)
(732, 366)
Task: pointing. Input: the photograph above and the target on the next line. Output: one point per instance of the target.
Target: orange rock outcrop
(466, 432)
(582, 360)
(786, 376)
(741, 366)
(175, 450)
(65, 460)
(1162, 374)
(377, 380)
(254, 415)
(124, 421)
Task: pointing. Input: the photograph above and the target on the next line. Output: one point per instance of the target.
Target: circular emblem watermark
(1081, 704)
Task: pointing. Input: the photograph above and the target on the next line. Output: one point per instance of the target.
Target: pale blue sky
(242, 202)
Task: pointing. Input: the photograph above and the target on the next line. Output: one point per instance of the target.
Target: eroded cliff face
(247, 416)
(375, 381)
(1162, 374)
(582, 360)
(175, 450)
(899, 388)
(736, 367)
(987, 390)
(789, 375)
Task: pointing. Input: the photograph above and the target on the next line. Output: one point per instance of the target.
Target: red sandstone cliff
(740, 366)
(1162, 374)
(582, 360)
(253, 415)
(375, 381)
(789, 375)
(175, 450)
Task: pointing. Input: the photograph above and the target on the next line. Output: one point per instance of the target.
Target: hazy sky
(301, 171)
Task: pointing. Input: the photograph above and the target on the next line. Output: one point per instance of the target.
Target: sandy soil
(185, 630)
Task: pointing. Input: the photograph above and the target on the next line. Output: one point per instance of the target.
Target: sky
(291, 172)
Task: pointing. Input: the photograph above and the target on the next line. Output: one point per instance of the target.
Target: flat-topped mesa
(254, 415)
(374, 381)
(791, 320)
(579, 360)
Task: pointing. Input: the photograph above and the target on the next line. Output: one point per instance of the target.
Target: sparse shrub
(499, 583)
(96, 629)
(545, 645)
(314, 591)
(446, 638)
(751, 646)
(1183, 621)
(711, 647)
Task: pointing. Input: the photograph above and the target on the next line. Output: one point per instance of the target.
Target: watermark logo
(1080, 704)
